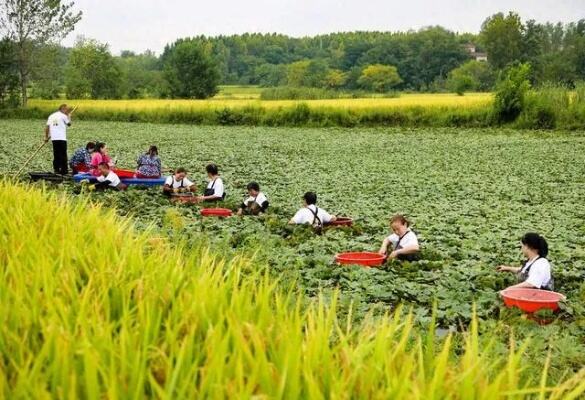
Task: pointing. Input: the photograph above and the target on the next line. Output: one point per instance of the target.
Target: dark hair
(62, 106)
(212, 169)
(536, 242)
(99, 146)
(310, 198)
(153, 150)
(180, 170)
(90, 146)
(104, 164)
(400, 218)
(253, 186)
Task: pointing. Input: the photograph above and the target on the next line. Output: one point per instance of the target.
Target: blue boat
(127, 181)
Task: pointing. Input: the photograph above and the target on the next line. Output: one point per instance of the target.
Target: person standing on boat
(56, 131)
(536, 272)
(404, 242)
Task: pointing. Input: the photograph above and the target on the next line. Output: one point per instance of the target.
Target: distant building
(480, 57)
(472, 50)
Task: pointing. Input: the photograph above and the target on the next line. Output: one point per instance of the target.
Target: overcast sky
(150, 24)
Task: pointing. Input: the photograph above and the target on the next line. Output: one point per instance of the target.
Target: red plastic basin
(531, 300)
(216, 212)
(342, 221)
(124, 173)
(366, 258)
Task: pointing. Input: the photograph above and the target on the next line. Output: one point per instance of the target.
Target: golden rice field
(471, 100)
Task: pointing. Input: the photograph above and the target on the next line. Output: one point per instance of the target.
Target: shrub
(510, 93)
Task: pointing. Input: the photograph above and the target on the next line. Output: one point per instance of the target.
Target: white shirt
(409, 239)
(217, 187)
(112, 177)
(539, 275)
(58, 123)
(261, 198)
(305, 216)
(175, 184)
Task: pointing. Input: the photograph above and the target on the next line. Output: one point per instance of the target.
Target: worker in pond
(535, 273)
(404, 242)
(311, 214)
(178, 183)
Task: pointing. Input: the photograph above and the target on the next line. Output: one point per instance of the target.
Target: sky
(139, 25)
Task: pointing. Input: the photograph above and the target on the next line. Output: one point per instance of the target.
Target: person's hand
(46, 139)
(175, 190)
(393, 255)
(503, 268)
(240, 212)
(382, 252)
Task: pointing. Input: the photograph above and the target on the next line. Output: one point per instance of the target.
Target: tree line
(431, 59)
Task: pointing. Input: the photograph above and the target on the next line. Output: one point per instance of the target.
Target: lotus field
(128, 295)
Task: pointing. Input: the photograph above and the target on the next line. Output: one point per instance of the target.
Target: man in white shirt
(311, 214)
(107, 179)
(256, 202)
(56, 131)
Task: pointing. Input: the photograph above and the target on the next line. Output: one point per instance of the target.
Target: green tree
(141, 75)
(335, 79)
(8, 74)
(48, 71)
(31, 23)
(471, 76)
(92, 72)
(297, 73)
(379, 78)
(190, 70)
(316, 73)
(501, 36)
(268, 75)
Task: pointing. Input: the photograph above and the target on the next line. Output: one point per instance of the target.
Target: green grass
(471, 194)
(93, 309)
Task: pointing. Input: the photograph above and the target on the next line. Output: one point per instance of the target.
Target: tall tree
(190, 70)
(35, 22)
(8, 74)
(92, 72)
(501, 36)
(379, 78)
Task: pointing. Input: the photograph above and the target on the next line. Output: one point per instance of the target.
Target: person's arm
(264, 206)
(507, 268)
(384, 248)
(297, 218)
(410, 249)
(192, 188)
(524, 284)
(47, 133)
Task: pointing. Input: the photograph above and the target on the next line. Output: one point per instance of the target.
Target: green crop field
(471, 194)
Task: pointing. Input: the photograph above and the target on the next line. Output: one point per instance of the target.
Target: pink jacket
(97, 159)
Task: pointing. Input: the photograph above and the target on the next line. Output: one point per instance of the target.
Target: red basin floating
(366, 258)
(531, 300)
(216, 212)
(342, 221)
(124, 173)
